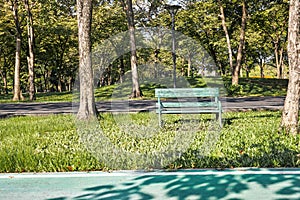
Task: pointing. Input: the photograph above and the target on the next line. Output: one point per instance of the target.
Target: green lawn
(248, 87)
(259, 87)
(52, 143)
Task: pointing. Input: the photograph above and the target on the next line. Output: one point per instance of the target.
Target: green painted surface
(194, 105)
(185, 184)
(186, 92)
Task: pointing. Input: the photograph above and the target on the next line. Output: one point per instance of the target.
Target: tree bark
(17, 88)
(262, 65)
(278, 52)
(4, 76)
(121, 69)
(237, 67)
(87, 108)
(281, 67)
(31, 56)
(290, 114)
(127, 6)
(278, 59)
(189, 66)
(222, 15)
(5, 82)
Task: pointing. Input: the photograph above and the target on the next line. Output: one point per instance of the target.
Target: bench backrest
(186, 92)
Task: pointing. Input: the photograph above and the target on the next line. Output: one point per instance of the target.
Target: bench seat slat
(187, 92)
(188, 111)
(187, 104)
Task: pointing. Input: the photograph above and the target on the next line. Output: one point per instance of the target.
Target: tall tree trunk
(4, 76)
(30, 58)
(290, 114)
(189, 66)
(70, 84)
(247, 72)
(182, 68)
(136, 92)
(87, 108)
(262, 65)
(17, 88)
(59, 85)
(121, 69)
(237, 67)
(156, 62)
(281, 69)
(222, 16)
(278, 56)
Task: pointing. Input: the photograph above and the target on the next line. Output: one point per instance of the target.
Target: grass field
(248, 87)
(53, 143)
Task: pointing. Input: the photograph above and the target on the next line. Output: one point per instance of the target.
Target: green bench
(188, 101)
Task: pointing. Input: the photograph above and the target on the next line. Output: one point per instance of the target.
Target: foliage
(56, 38)
(234, 90)
(248, 139)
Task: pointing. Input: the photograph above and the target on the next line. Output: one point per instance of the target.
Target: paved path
(184, 184)
(229, 104)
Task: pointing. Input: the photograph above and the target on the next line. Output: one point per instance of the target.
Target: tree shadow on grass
(229, 119)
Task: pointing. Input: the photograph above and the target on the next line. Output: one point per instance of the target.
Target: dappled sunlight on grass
(52, 143)
(258, 87)
(41, 97)
(104, 93)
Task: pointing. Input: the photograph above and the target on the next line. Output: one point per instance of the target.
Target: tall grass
(52, 143)
(42, 143)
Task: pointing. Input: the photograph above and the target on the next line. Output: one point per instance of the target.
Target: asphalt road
(228, 104)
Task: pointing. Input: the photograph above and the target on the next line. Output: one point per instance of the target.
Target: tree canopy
(56, 39)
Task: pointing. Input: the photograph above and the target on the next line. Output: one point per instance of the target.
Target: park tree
(109, 19)
(56, 45)
(237, 67)
(199, 20)
(31, 53)
(7, 46)
(271, 22)
(223, 19)
(290, 114)
(127, 6)
(87, 107)
(18, 35)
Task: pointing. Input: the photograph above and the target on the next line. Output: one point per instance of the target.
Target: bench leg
(219, 118)
(159, 119)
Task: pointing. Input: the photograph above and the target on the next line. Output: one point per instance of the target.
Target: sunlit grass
(40, 97)
(52, 143)
(258, 87)
(42, 143)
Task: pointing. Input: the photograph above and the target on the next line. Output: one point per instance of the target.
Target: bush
(234, 90)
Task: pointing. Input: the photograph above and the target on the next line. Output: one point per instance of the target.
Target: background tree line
(50, 50)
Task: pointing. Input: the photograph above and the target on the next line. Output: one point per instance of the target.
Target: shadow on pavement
(282, 185)
(213, 186)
